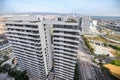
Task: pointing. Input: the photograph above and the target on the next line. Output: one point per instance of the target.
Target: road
(50, 76)
(88, 69)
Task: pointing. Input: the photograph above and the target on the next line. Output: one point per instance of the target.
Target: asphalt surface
(88, 70)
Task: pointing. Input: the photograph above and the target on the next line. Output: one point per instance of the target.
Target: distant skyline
(87, 7)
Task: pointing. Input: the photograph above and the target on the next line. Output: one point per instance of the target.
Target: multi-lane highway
(88, 69)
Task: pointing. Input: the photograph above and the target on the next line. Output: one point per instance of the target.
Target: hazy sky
(90, 7)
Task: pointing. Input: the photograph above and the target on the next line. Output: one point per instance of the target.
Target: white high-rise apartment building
(85, 24)
(65, 44)
(31, 43)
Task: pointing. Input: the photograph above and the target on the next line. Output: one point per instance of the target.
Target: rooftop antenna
(73, 13)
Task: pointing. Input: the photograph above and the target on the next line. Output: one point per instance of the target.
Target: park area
(101, 39)
(96, 38)
(101, 50)
(116, 62)
(114, 37)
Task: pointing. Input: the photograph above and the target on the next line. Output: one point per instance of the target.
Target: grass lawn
(98, 38)
(101, 39)
(113, 37)
(116, 62)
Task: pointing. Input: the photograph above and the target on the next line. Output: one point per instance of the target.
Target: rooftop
(60, 22)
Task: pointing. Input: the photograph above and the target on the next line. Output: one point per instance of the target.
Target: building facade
(31, 43)
(5, 50)
(65, 48)
(2, 26)
(85, 24)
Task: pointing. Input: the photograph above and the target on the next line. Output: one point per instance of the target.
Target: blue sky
(89, 7)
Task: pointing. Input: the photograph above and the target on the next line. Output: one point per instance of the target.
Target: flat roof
(22, 22)
(59, 22)
(52, 22)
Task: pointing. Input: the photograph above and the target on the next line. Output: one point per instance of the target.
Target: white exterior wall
(65, 44)
(30, 54)
(93, 27)
(49, 49)
(85, 24)
(5, 49)
(43, 44)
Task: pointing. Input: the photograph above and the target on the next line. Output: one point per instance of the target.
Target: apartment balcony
(26, 48)
(64, 39)
(67, 44)
(61, 47)
(29, 64)
(35, 46)
(61, 58)
(32, 61)
(65, 70)
(27, 31)
(62, 29)
(25, 28)
(64, 66)
(65, 52)
(64, 62)
(64, 75)
(17, 39)
(26, 37)
(28, 59)
(23, 32)
(28, 56)
(65, 55)
(37, 66)
(64, 34)
(31, 54)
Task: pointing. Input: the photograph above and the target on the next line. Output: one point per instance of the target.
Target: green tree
(1, 69)
(108, 55)
(88, 44)
(6, 57)
(106, 72)
(13, 61)
(6, 68)
(105, 44)
(76, 74)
